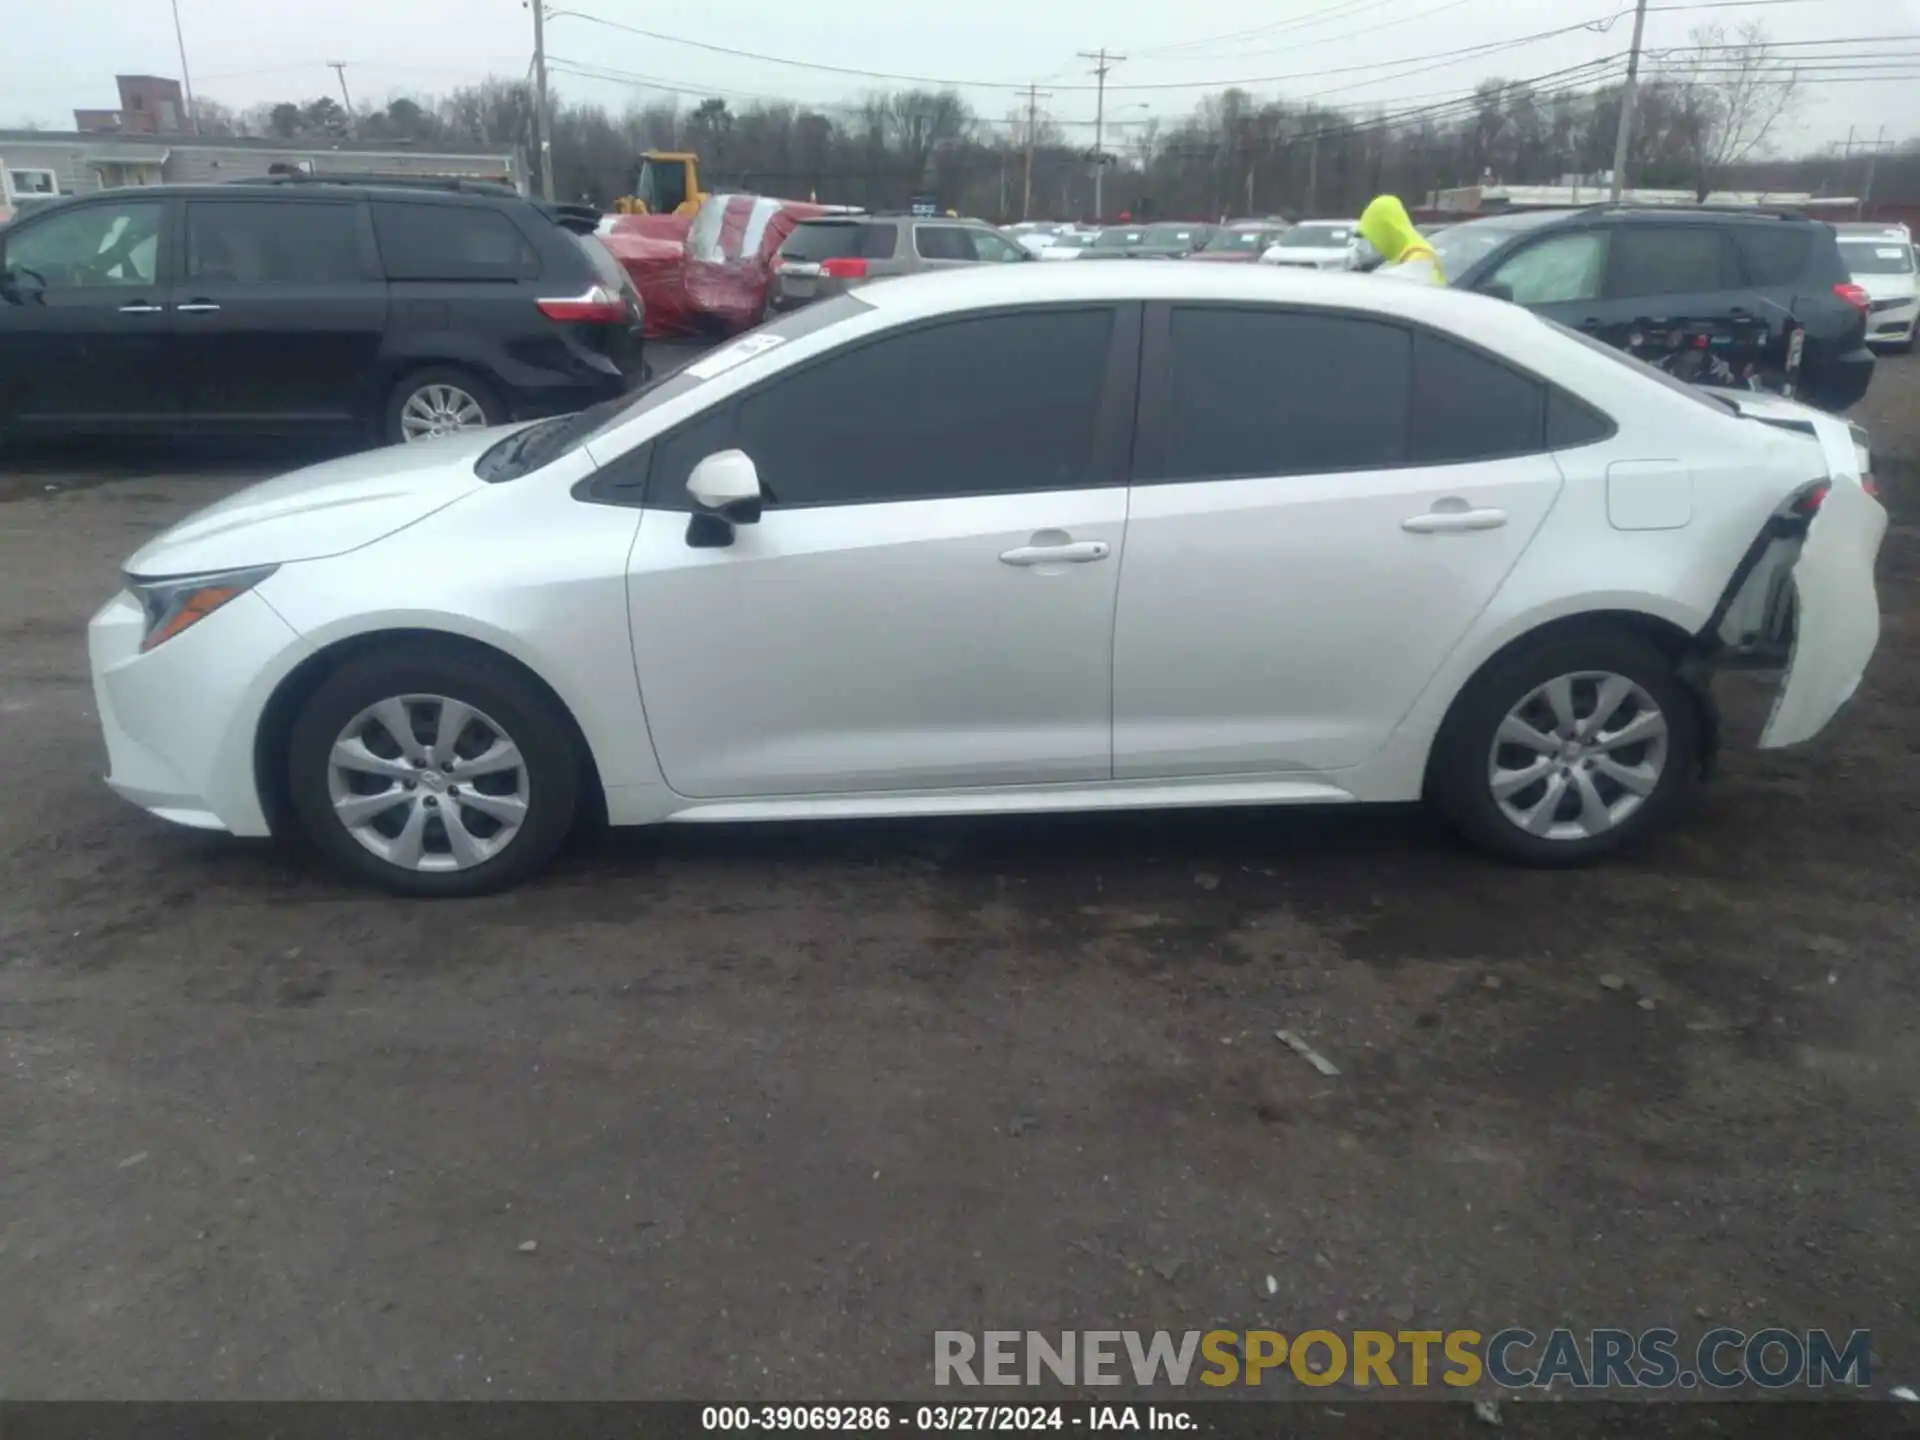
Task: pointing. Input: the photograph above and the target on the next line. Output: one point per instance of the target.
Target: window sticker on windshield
(738, 353)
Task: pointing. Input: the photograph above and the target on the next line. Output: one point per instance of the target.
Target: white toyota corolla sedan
(1007, 540)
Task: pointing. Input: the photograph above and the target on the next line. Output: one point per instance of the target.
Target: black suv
(373, 307)
(1709, 295)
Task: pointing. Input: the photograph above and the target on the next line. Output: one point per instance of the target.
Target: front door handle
(140, 307)
(1072, 552)
(1454, 522)
(198, 307)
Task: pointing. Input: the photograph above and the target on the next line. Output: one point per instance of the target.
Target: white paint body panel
(1257, 641)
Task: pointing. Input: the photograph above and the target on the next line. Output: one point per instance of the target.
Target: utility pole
(186, 75)
(542, 149)
(1103, 62)
(339, 67)
(1034, 96)
(1872, 148)
(1629, 94)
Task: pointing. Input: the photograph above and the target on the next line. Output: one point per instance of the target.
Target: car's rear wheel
(440, 401)
(433, 772)
(1567, 750)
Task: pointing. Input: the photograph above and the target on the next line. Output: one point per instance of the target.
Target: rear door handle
(1074, 552)
(1453, 522)
(198, 307)
(140, 307)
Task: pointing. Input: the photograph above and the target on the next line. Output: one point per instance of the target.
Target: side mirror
(1498, 291)
(726, 488)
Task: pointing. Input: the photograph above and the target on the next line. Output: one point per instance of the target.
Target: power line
(1344, 35)
(1340, 10)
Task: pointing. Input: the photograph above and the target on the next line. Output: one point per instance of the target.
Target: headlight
(178, 603)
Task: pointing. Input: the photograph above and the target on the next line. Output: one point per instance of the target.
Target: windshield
(1117, 239)
(1072, 242)
(544, 442)
(1459, 246)
(1169, 235)
(1877, 257)
(1316, 237)
(1239, 240)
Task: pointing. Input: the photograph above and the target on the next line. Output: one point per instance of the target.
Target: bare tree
(1730, 96)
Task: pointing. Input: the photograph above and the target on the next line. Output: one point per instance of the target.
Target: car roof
(986, 286)
(397, 189)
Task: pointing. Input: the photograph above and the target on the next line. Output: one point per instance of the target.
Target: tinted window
(451, 242)
(1268, 392)
(272, 243)
(89, 245)
(1469, 407)
(999, 404)
(1773, 254)
(943, 242)
(838, 241)
(1670, 260)
(1572, 422)
(1556, 270)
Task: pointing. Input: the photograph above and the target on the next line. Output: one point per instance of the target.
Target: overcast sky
(242, 51)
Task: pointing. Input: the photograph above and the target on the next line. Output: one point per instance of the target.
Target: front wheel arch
(1688, 655)
(271, 737)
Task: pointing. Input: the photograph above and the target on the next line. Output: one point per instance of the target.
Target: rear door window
(838, 241)
(943, 242)
(1469, 406)
(1275, 392)
(273, 242)
(1670, 260)
(424, 241)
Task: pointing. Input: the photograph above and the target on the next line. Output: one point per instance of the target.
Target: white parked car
(1008, 540)
(1880, 259)
(1317, 245)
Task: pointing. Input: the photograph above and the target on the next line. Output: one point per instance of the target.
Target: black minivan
(377, 308)
(1710, 295)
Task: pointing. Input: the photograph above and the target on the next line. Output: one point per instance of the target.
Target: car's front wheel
(433, 771)
(1568, 749)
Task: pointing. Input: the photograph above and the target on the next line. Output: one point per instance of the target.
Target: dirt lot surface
(754, 1112)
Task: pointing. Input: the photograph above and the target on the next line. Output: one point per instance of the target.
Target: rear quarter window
(839, 240)
(1773, 254)
(425, 241)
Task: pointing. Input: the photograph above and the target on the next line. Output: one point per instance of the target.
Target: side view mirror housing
(1497, 291)
(726, 488)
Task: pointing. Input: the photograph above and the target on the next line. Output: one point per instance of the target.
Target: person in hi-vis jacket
(1405, 255)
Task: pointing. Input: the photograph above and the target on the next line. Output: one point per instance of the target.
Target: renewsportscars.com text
(1514, 1358)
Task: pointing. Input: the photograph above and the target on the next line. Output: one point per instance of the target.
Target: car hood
(1887, 287)
(325, 509)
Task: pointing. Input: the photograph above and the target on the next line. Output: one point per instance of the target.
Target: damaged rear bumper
(1803, 601)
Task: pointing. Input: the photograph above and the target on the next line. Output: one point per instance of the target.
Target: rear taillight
(1854, 296)
(1810, 500)
(598, 306)
(840, 268)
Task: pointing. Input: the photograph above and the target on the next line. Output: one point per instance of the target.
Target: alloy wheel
(439, 409)
(428, 783)
(1578, 755)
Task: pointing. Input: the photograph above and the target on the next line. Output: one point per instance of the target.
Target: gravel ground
(753, 1112)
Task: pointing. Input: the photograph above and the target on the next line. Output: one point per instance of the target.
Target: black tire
(493, 411)
(492, 686)
(1458, 780)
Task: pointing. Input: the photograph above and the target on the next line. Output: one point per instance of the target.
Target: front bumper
(1893, 324)
(179, 721)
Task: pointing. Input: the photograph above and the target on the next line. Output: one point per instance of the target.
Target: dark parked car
(1148, 242)
(1710, 295)
(308, 306)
